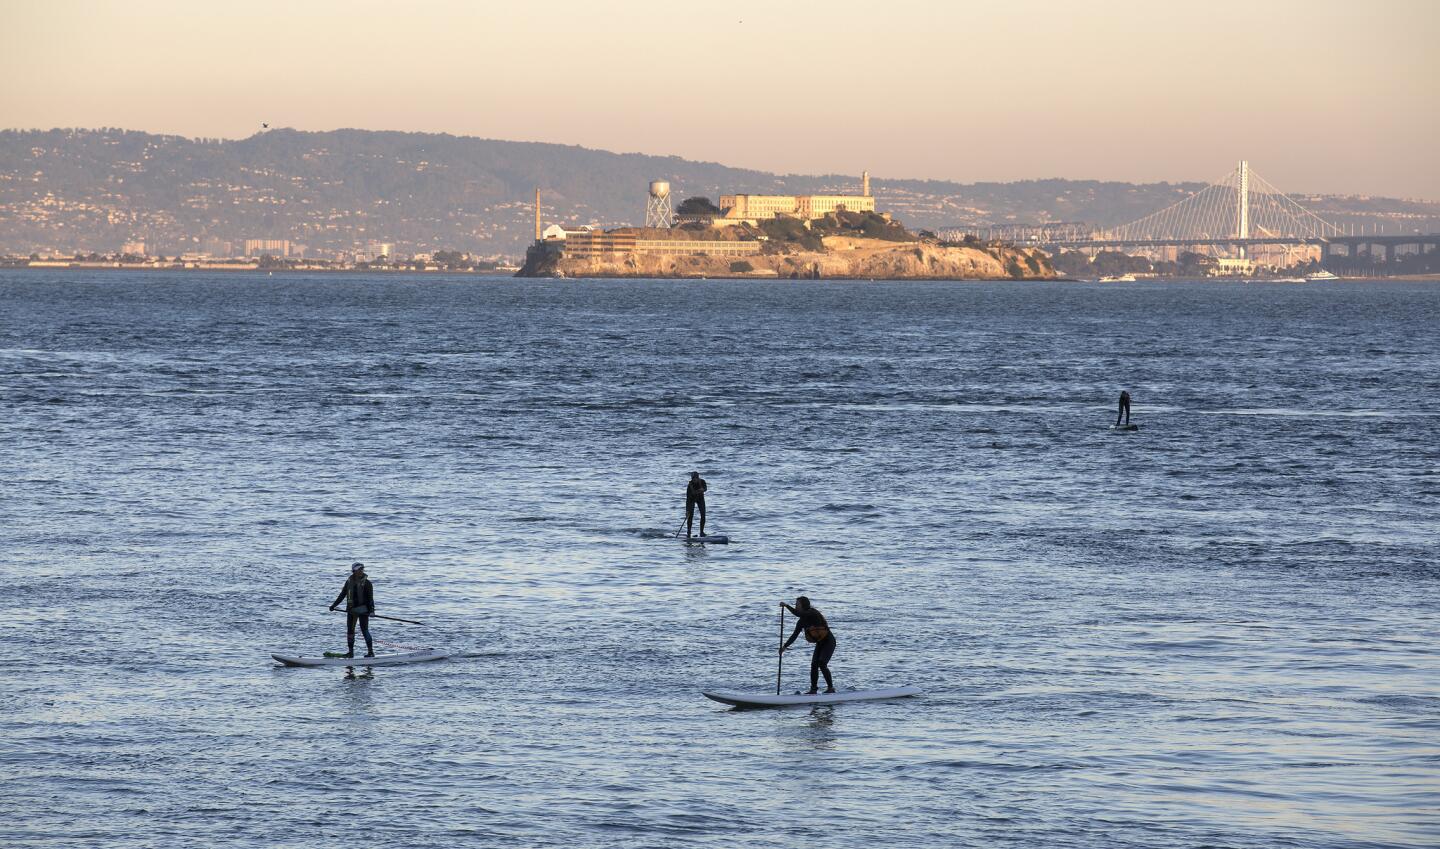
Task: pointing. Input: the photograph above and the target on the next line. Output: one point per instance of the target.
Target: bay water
(1218, 630)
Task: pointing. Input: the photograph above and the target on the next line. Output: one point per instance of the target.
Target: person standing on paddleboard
(1124, 408)
(817, 631)
(695, 497)
(359, 597)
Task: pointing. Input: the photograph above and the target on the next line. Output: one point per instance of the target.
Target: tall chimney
(537, 213)
(865, 183)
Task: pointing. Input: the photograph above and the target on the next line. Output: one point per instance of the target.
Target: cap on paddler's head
(694, 474)
(356, 567)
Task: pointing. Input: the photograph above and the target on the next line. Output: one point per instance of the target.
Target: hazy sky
(1318, 95)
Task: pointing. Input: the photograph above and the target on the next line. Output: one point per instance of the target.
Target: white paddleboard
(745, 700)
(420, 656)
(1124, 427)
(718, 539)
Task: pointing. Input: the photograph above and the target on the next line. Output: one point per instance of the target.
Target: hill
(93, 190)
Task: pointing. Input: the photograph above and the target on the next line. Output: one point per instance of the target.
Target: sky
(1320, 96)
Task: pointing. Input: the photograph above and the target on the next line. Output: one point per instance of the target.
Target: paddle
(393, 619)
(398, 619)
(780, 661)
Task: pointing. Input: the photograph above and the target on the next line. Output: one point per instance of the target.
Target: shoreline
(510, 273)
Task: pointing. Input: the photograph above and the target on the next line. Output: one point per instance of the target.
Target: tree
(451, 259)
(741, 266)
(697, 206)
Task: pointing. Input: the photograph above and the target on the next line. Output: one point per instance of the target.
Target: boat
(1287, 280)
(1117, 278)
(1320, 276)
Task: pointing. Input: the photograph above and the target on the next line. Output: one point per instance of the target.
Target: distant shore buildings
(270, 247)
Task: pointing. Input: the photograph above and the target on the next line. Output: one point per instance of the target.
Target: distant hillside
(96, 189)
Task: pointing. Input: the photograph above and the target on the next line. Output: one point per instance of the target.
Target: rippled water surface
(1220, 630)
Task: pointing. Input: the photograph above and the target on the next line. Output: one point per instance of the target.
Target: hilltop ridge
(93, 190)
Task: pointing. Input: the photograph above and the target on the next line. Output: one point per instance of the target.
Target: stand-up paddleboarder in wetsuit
(695, 497)
(1124, 408)
(359, 597)
(817, 631)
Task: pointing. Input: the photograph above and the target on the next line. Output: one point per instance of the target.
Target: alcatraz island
(772, 236)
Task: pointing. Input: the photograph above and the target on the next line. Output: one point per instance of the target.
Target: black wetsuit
(695, 497)
(359, 598)
(1124, 408)
(820, 658)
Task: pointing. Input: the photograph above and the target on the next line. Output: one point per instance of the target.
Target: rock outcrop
(843, 257)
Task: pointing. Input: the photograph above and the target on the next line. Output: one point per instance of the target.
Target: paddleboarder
(695, 497)
(359, 597)
(1124, 408)
(817, 631)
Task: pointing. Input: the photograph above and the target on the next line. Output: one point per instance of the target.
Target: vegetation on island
(865, 225)
(697, 206)
(786, 233)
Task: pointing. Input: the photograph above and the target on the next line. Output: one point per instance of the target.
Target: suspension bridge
(1232, 215)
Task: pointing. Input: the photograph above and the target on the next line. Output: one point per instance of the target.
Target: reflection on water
(366, 673)
(821, 724)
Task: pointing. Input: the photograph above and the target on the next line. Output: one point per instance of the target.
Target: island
(781, 237)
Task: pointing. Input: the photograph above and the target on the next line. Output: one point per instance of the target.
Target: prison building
(689, 247)
(595, 243)
(805, 207)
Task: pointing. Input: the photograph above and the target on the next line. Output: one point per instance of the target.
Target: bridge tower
(1242, 202)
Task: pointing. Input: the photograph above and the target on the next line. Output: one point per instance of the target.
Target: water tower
(657, 209)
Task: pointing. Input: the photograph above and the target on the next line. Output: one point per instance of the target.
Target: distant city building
(216, 247)
(273, 247)
(1232, 266)
(136, 248)
(378, 250)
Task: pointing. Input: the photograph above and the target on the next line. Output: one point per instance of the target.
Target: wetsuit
(820, 658)
(1124, 408)
(695, 497)
(359, 597)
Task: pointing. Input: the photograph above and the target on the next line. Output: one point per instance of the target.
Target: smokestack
(865, 183)
(537, 213)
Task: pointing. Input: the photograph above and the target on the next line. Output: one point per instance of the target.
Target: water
(1217, 631)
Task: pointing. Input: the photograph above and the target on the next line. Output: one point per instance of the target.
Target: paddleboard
(718, 539)
(749, 700)
(420, 656)
(1124, 427)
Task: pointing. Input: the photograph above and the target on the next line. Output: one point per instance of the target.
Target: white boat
(1320, 275)
(754, 700)
(1117, 278)
(1287, 279)
(421, 656)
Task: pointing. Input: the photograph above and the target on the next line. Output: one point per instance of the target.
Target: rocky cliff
(843, 257)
